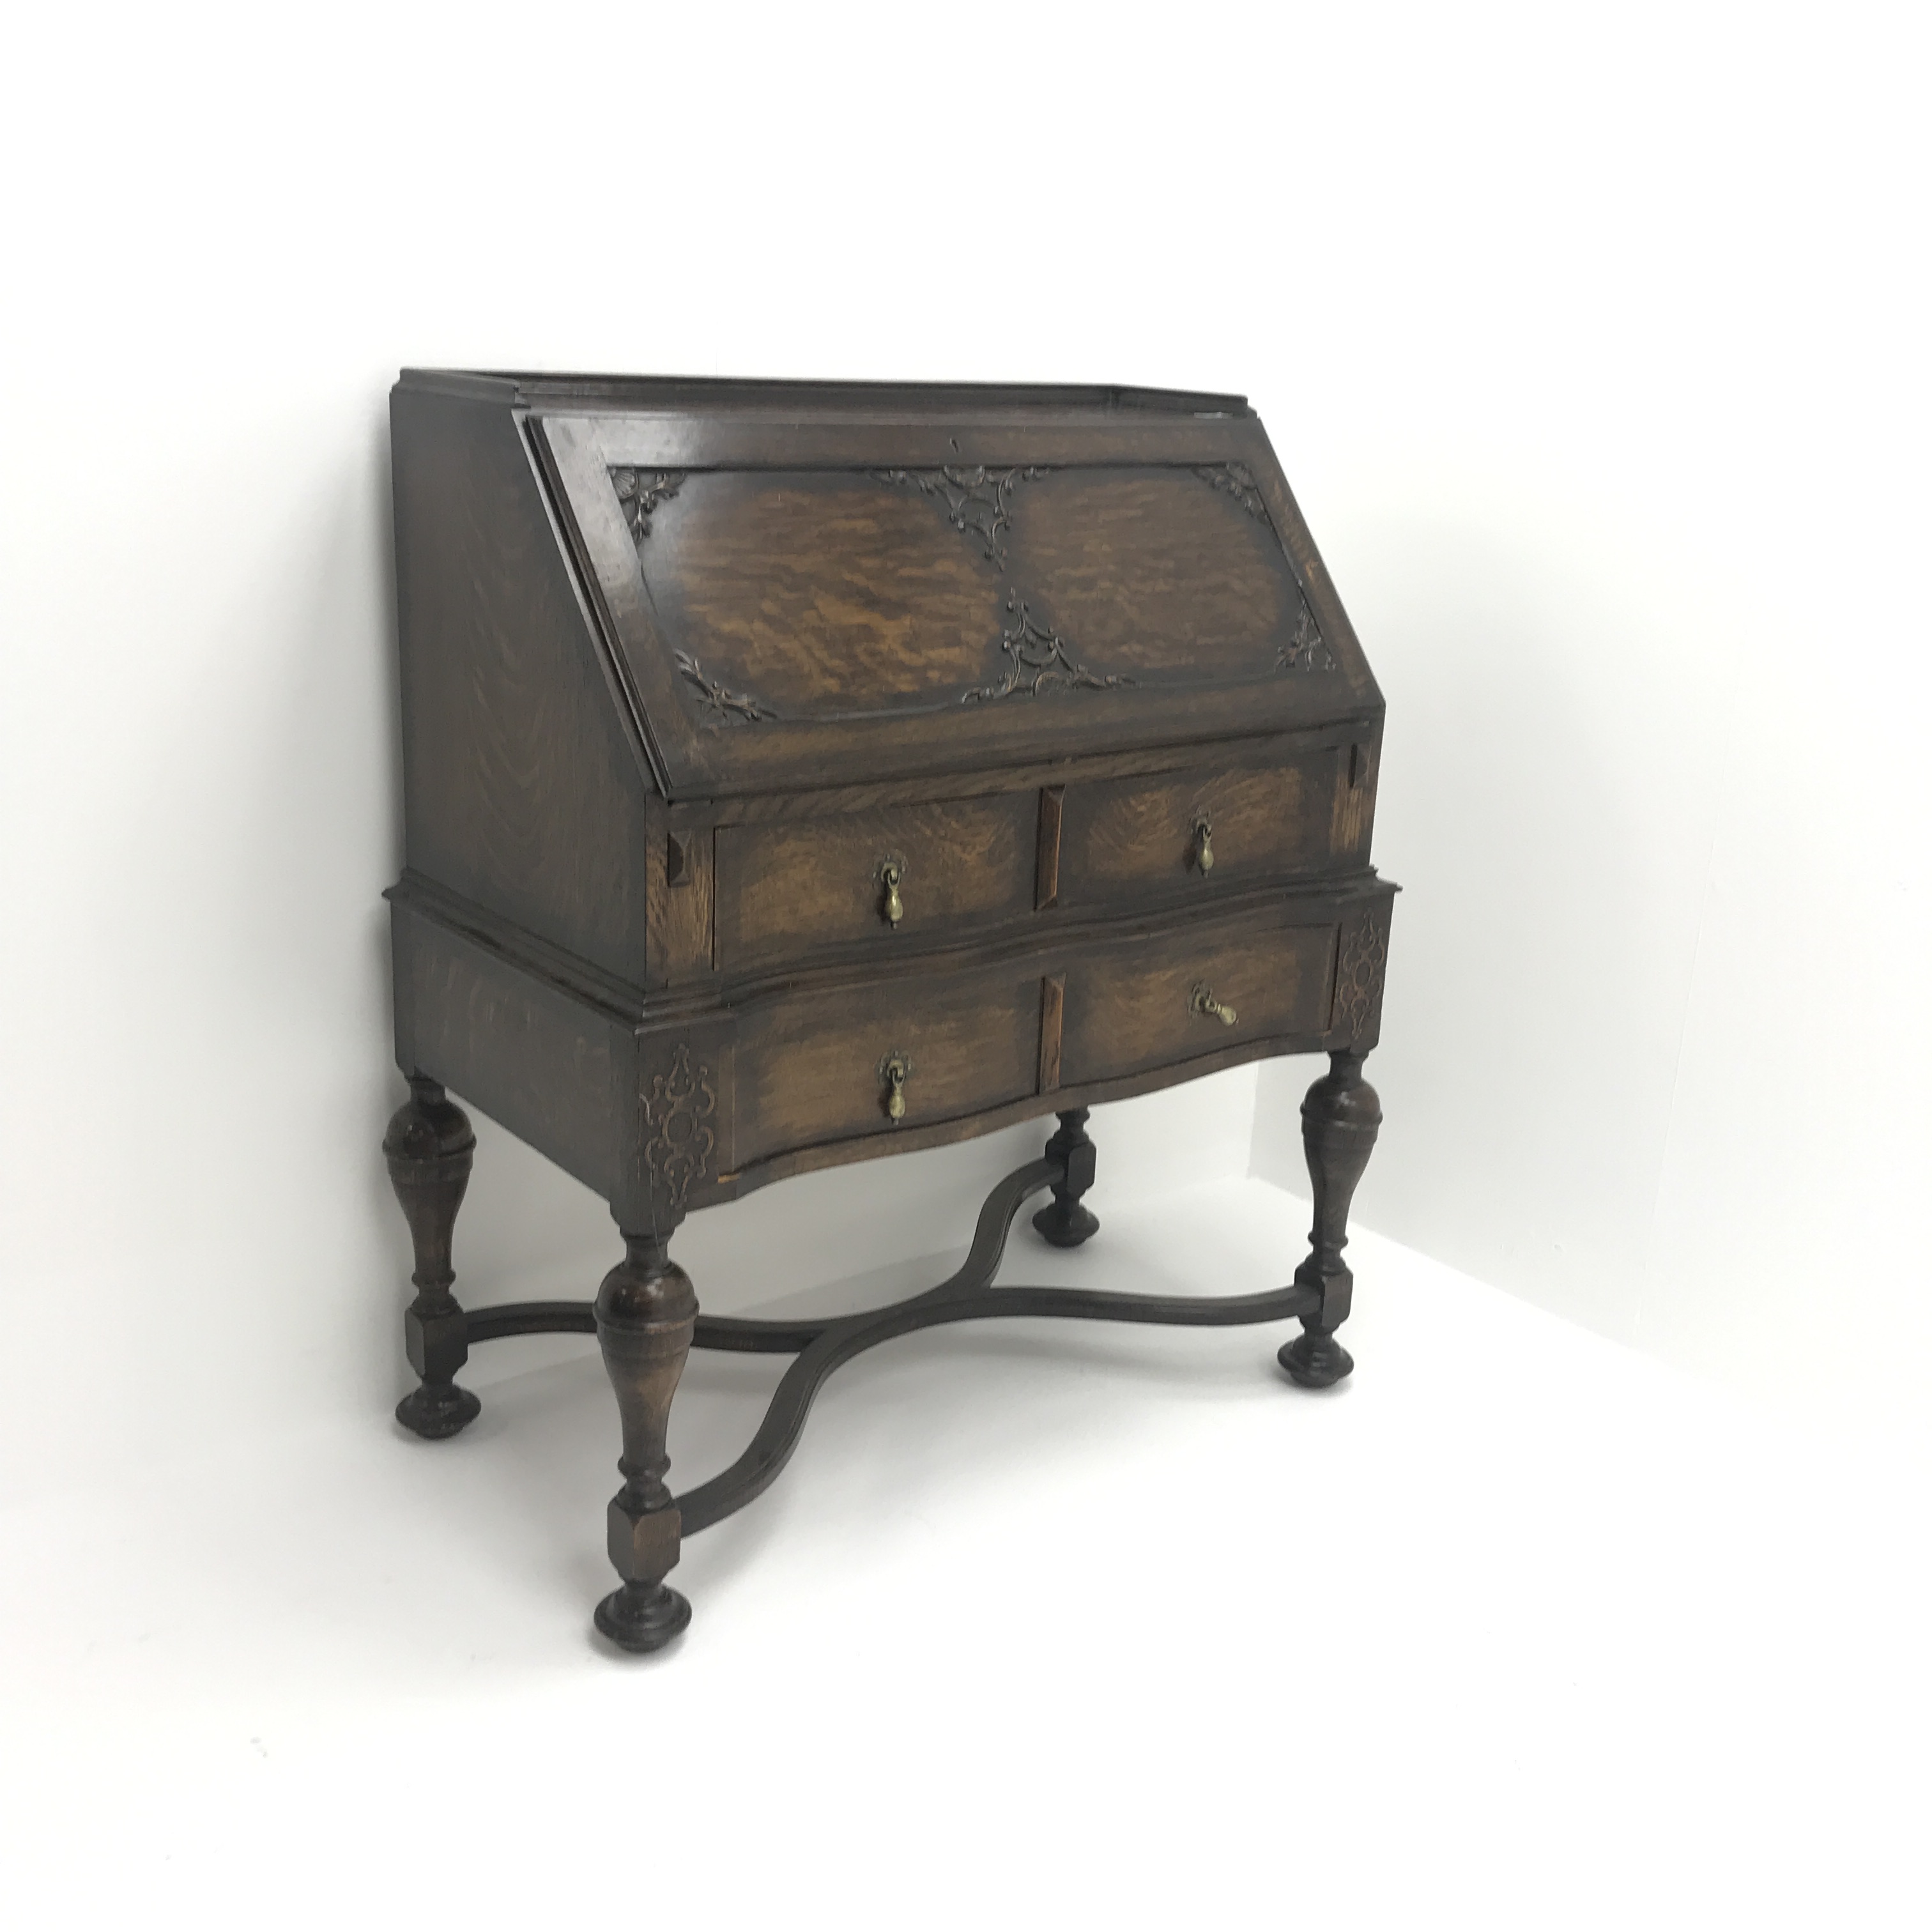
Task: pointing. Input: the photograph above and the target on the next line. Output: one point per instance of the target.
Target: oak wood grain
(786, 888)
(809, 1065)
(522, 787)
(1130, 1008)
(1136, 840)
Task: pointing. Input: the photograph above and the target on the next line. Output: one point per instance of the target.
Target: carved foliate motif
(1238, 481)
(721, 706)
(639, 492)
(1359, 967)
(976, 499)
(1307, 649)
(1038, 661)
(678, 1107)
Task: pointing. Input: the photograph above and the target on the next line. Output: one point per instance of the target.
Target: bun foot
(1067, 1224)
(435, 1410)
(1315, 1360)
(643, 1617)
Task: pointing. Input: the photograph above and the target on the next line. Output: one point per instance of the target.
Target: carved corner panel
(676, 1133)
(1361, 961)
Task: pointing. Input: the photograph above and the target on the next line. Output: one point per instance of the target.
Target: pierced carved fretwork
(1359, 964)
(976, 499)
(722, 706)
(677, 1112)
(1307, 649)
(1038, 661)
(639, 492)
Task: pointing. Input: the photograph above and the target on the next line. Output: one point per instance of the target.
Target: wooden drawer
(1131, 841)
(1133, 1006)
(809, 1064)
(790, 887)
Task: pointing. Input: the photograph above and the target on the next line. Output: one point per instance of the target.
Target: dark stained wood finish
(1340, 1119)
(524, 783)
(430, 1146)
(1155, 574)
(809, 1063)
(647, 1315)
(1247, 637)
(1052, 1023)
(1064, 1222)
(1131, 841)
(1046, 859)
(795, 774)
(680, 891)
(788, 889)
(1131, 1006)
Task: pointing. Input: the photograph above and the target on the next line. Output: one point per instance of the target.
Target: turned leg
(646, 1315)
(430, 1147)
(1065, 1222)
(1340, 1119)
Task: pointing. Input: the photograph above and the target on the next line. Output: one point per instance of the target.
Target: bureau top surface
(806, 584)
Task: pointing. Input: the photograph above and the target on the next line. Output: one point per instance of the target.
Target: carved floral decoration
(975, 499)
(1358, 978)
(1238, 481)
(1037, 661)
(717, 705)
(1307, 649)
(677, 1109)
(639, 492)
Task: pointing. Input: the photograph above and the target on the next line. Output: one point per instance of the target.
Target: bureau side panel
(522, 788)
(539, 1061)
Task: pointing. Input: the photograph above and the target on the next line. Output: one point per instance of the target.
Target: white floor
(1048, 1623)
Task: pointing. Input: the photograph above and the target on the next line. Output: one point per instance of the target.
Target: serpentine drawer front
(815, 1066)
(796, 774)
(1166, 998)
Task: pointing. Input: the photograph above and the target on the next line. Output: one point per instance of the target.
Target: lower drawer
(815, 1066)
(1175, 996)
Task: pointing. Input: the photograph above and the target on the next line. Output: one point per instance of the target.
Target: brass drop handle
(1202, 1000)
(890, 873)
(895, 1070)
(1204, 844)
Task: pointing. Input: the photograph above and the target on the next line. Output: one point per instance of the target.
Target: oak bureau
(795, 773)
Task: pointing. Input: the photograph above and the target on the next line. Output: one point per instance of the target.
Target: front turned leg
(647, 1314)
(1064, 1222)
(1340, 1119)
(430, 1147)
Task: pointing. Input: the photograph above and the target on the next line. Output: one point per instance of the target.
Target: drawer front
(788, 888)
(1130, 841)
(809, 1066)
(1168, 998)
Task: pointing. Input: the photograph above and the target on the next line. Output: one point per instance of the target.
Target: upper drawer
(1211, 828)
(790, 887)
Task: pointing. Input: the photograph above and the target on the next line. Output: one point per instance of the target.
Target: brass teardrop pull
(895, 1070)
(891, 871)
(1202, 1000)
(1204, 844)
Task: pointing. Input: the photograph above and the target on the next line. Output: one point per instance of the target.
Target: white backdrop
(1591, 343)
